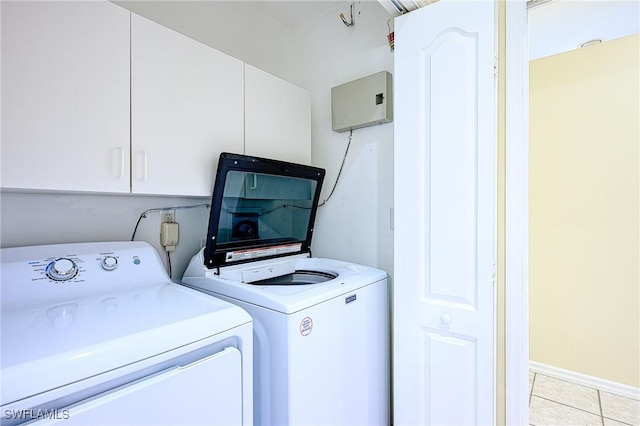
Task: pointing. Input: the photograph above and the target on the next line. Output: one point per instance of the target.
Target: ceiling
(561, 25)
(293, 13)
(555, 26)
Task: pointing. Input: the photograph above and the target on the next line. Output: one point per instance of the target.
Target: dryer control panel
(74, 270)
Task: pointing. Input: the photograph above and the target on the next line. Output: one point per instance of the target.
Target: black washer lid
(261, 209)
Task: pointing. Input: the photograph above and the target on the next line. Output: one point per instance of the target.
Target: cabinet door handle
(142, 166)
(118, 162)
(255, 182)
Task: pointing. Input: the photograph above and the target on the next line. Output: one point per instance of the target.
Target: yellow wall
(584, 210)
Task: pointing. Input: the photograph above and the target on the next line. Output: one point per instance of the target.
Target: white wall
(32, 219)
(354, 224)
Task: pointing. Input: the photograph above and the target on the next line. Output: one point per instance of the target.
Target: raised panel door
(445, 215)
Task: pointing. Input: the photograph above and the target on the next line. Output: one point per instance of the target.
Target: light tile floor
(557, 402)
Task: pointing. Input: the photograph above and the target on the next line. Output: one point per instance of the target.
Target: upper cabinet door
(277, 118)
(65, 96)
(186, 108)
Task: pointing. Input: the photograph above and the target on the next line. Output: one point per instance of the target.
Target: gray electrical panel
(362, 102)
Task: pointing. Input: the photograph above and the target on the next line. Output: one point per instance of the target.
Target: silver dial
(109, 263)
(62, 269)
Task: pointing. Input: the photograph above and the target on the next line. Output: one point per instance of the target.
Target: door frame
(517, 215)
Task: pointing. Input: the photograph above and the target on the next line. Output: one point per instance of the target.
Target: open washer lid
(261, 209)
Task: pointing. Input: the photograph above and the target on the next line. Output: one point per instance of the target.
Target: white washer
(321, 326)
(96, 333)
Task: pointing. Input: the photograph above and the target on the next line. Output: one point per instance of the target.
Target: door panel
(448, 70)
(445, 230)
(441, 349)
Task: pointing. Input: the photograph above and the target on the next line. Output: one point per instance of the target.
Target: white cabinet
(65, 96)
(97, 99)
(186, 108)
(277, 118)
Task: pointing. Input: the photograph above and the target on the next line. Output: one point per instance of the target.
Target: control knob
(62, 269)
(109, 263)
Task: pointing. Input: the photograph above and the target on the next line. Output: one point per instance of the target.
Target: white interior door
(445, 215)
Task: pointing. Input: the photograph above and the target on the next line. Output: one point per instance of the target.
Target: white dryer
(96, 333)
(321, 326)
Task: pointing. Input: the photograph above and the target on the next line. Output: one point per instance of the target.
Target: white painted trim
(517, 215)
(586, 380)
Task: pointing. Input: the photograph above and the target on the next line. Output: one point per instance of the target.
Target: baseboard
(586, 380)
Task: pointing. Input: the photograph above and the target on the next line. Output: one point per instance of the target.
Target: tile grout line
(570, 406)
(600, 405)
(533, 383)
(602, 417)
(617, 421)
(598, 393)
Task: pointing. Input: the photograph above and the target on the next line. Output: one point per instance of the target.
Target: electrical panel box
(362, 102)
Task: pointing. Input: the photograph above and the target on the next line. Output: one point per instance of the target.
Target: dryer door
(208, 391)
